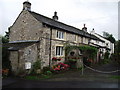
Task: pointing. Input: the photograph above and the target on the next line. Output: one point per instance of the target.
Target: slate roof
(62, 26)
(102, 37)
(16, 45)
(24, 41)
(99, 46)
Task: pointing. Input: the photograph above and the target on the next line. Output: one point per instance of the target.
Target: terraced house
(34, 36)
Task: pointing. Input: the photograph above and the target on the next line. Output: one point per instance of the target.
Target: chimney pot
(27, 5)
(55, 17)
(84, 28)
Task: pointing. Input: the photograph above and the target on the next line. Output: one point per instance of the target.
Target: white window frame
(59, 51)
(60, 35)
(76, 38)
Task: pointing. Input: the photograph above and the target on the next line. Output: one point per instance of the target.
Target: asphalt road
(70, 79)
(60, 84)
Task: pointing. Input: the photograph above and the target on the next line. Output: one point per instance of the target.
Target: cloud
(99, 14)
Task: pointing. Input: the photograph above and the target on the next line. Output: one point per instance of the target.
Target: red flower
(66, 65)
(54, 58)
(59, 59)
(61, 63)
(56, 68)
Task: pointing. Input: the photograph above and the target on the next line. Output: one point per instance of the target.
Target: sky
(102, 15)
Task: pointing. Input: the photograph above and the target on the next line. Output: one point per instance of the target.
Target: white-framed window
(75, 38)
(60, 35)
(59, 50)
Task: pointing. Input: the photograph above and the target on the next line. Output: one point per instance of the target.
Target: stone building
(34, 36)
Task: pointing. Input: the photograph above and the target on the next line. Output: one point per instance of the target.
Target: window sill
(75, 41)
(60, 39)
(62, 56)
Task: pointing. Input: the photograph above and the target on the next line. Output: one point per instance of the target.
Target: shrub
(72, 60)
(48, 73)
(60, 67)
(5, 72)
(46, 69)
(90, 51)
(107, 55)
(36, 66)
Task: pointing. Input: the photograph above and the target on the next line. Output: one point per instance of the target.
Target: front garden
(69, 64)
(75, 56)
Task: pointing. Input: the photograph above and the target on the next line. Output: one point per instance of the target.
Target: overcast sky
(102, 15)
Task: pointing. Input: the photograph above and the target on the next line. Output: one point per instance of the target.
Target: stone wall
(26, 27)
(45, 47)
(14, 61)
(23, 55)
(29, 55)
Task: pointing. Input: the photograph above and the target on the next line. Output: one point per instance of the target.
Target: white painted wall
(107, 43)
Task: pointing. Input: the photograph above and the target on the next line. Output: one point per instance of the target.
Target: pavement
(70, 79)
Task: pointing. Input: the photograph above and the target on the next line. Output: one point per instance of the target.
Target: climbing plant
(91, 51)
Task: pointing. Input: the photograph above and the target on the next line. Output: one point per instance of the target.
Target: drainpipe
(50, 47)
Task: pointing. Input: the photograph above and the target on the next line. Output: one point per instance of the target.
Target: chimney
(27, 5)
(93, 31)
(55, 17)
(84, 28)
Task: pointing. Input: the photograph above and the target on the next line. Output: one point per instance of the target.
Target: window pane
(75, 38)
(58, 50)
(62, 34)
(61, 50)
(59, 34)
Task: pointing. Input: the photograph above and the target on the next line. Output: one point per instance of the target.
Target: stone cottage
(34, 36)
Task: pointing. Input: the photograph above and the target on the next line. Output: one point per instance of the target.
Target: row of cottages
(104, 46)
(34, 36)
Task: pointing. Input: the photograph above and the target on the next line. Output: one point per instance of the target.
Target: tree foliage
(117, 51)
(5, 54)
(109, 37)
(89, 50)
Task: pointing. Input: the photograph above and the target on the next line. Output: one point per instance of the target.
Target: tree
(117, 51)
(109, 37)
(5, 54)
(105, 34)
(4, 39)
(7, 33)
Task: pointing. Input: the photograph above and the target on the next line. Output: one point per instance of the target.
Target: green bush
(107, 55)
(48, 73)
(90, 51)
(72, 60)
(106, 58)
(45, 69)
(36, 66)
